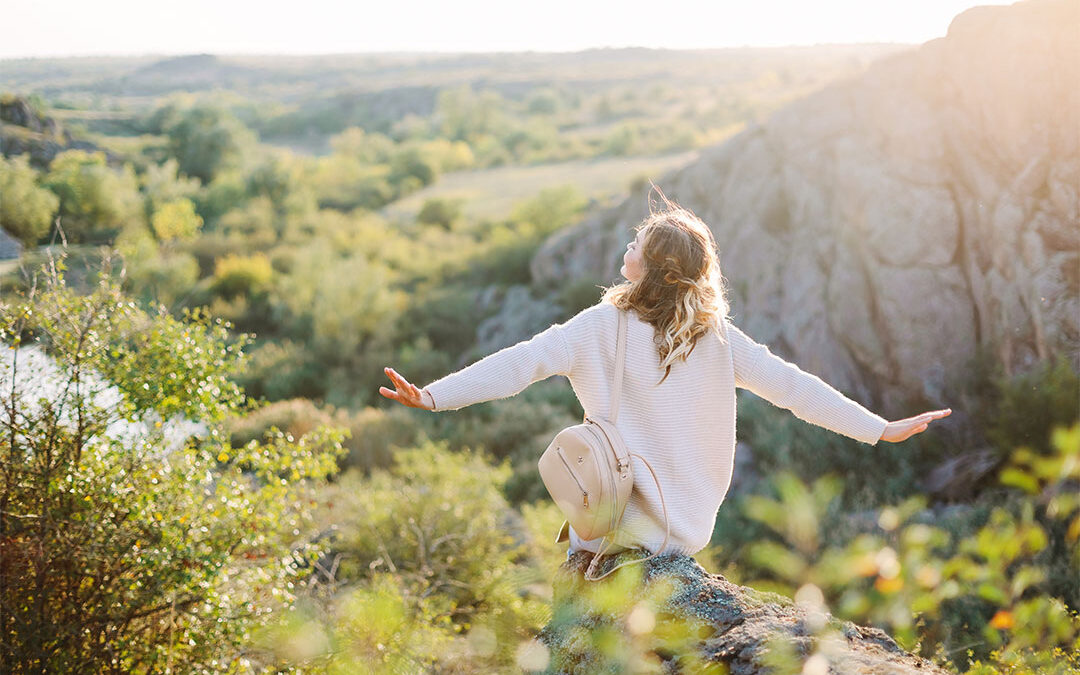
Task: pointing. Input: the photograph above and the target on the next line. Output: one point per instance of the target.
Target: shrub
(26, 209)
(993, 592)
(441, 212)
(135, 537)
(436, 522)
(176, 220)
(96, 202)
(242, 275)
(206, 141)
(1022, 409)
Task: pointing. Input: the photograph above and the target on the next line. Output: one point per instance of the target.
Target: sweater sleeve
(807, 396)
(512, 369)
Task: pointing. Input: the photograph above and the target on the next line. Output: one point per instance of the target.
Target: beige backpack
(587, 471)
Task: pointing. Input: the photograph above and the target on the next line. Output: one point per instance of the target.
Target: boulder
(670, 615)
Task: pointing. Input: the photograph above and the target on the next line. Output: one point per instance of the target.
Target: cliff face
(671, 615)
(880, 230)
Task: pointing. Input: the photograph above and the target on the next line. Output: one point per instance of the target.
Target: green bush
(430, 554)
(128, 548)
(375, 436)
(26, 209)
(242, 275)
(207, 140)
(96, 202)
(282, 370)
(996, 591)
(441, 212)
(1024, 408)
(154, 273)
(295, 417)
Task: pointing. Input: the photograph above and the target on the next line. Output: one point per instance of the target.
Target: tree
(206, 140)
(95, 201)
(176, 220)
(26, 209)
(135, 537)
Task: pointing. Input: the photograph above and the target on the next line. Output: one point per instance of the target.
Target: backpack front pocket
(584, 492)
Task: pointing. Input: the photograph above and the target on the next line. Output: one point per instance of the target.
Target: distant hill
(197, 71)
(301, 78)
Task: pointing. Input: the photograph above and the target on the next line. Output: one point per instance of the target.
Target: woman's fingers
(406, 393)
(400, 382)
(928, 417)
(906, 428)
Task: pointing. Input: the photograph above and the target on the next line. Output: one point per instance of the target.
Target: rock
(879, 231)
(519, 317)
(25, 131)
(958, 478)
(669, 611)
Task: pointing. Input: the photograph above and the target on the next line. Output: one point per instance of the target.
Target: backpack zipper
(584, 494)
(618, 463)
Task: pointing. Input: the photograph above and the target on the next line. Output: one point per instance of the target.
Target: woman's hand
(406, 393)
(904, 429)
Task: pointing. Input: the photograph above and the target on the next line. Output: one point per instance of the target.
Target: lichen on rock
(669, 615)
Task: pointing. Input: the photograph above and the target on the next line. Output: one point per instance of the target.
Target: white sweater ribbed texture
(685, 427)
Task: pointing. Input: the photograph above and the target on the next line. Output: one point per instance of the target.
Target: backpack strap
(620, 366)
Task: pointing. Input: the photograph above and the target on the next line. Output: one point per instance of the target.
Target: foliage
(176, 220)
(441, 212)
(283, 369)
(95, 201)
(153, 272)
(133, 540)
(26, 208)
(206, 140)
(242, 275)
(551, 209)
(1022, 408)
(431, 571)
(988, 592)
(163, 183)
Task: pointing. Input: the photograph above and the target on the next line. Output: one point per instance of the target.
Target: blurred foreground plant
(1007, 592)
(134, 537)
(427, 571)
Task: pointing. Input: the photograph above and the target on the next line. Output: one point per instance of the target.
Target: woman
(684, 360)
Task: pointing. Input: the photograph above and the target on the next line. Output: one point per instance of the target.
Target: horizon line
(439, 52)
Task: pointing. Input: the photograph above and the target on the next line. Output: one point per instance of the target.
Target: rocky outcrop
(669, 612)
(23, 130)
(880, 231)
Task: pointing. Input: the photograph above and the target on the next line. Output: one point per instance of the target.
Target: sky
(42, 28)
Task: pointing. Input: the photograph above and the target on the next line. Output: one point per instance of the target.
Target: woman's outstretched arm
(811, 399)
(502, 374)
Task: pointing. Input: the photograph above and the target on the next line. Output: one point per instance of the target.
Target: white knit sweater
(685, 428)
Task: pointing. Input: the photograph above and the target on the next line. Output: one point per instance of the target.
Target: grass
(493, 193)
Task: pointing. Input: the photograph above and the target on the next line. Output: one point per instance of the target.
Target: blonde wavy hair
(681, 291)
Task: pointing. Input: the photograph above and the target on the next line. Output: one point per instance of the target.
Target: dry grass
(493, 193)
